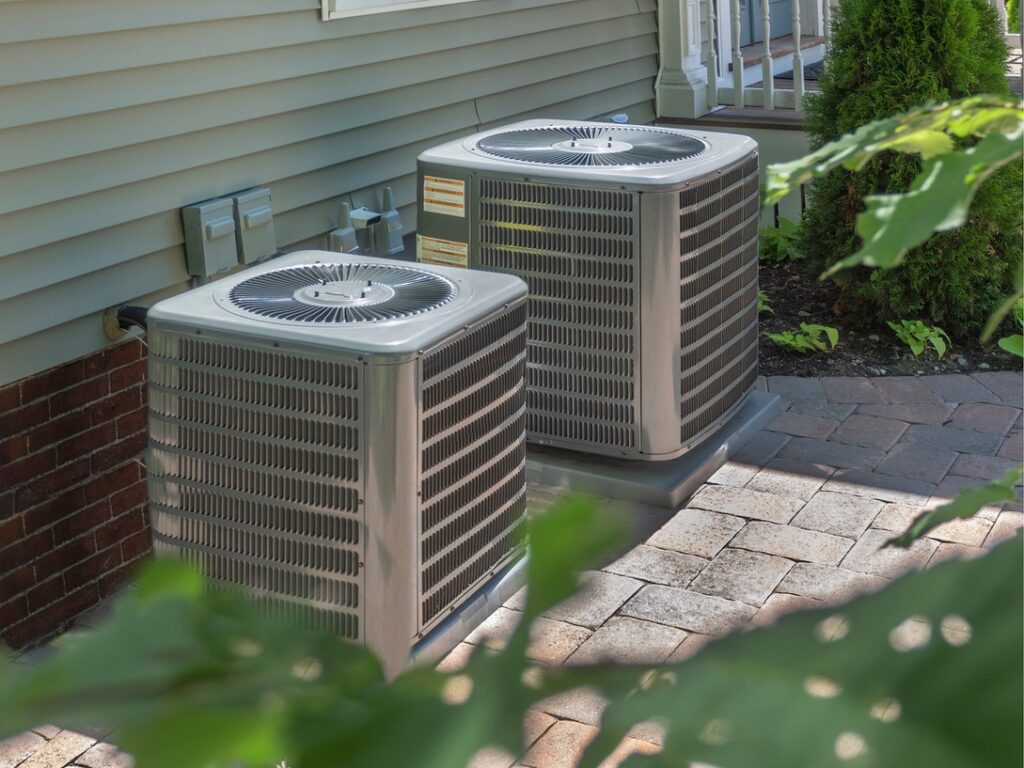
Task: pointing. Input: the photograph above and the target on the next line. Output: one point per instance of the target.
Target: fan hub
(595, 144)
(344, 293)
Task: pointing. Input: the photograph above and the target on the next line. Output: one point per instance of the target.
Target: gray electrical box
(254, 225)
(210, 237)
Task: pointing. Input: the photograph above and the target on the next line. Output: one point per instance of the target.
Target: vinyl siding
(115, 114)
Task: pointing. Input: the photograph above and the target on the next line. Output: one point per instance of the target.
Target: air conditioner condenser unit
(343, 438)
(639, 245)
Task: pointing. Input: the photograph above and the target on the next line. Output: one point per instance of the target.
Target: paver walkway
(794, 521)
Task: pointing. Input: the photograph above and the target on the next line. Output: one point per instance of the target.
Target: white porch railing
(704, 66)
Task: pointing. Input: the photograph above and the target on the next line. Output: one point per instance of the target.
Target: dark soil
(797, 296)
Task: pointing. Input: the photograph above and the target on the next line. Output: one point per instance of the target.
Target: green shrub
(1013, 15)
(886, 57)
(780, 243)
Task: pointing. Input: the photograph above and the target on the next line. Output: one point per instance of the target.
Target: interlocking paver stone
(561, 746)
(793, 543)
(1005, 528)
(59, 751)
(958, 440)
(984, 417)
(951, 487)
(746, 503)
(869, 431)
(552, 642)
(662, 566)
(1008, 386)
(896, 517)
(834, 411)
(839, 513)
(761, 448)
(874, 485)
(779, 604)
(1013, 446)
(688, 610)
(800, 425)
(697, 532)
(951, 551)
(626, 748)
(738, 574)
(827, 583)
(734, 473)
(105, 755)
(869, 555)
(850, 389)
(600, 596)
(584, 705)
(624, 640)
(905, 390)
(970, 532)
(831, 453)
(494, 631)
(15, 750)
(693, 643)
(917, 462)
(797, 389)
(914, 414)
(789, 477)
(958, 388)
(984, 467)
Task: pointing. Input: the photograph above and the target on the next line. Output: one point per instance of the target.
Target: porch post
(682, 84)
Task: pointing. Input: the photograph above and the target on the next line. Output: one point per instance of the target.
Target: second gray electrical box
(254, 223)
(210, 237)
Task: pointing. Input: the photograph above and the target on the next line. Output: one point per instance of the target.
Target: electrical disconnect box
(210, 237)
(254, 225)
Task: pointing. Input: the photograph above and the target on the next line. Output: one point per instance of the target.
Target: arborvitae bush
(1013, 15)
(886, 57)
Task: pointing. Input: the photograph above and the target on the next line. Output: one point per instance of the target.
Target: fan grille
(342, 293)
(591, 145)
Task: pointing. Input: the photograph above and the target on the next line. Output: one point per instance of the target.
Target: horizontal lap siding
(115, 114)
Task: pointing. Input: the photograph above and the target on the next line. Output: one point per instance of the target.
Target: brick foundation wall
(73, 521)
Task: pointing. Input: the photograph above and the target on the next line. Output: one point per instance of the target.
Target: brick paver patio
(794, 521)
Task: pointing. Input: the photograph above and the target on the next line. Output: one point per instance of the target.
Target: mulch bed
(796, 295)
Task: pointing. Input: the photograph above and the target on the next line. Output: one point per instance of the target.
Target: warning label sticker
(448, 253)
(447, 196)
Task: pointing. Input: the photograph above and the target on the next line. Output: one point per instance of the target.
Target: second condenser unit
(639, 246)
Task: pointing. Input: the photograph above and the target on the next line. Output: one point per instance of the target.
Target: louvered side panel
(718, 295)
(255, 474)
(472, 462)
(577, 250)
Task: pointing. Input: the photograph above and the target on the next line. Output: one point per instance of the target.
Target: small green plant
(1014, 344)
(779, 243)
(762, 303)
(1013, 16)
(916, 335)
(808, 339)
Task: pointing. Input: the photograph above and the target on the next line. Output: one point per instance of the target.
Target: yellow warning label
(447, 196)
(448, 253)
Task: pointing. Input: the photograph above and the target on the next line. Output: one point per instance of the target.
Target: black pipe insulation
(127, 316)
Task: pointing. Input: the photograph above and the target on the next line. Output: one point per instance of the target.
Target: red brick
(12, 612)
(136, 421)
(16, 582)
(79, 395)
(13, 449)
(124, 500)
(111, 582)
(54, 380)
(23, 470)
(117, 405)
(93, 568)
(128, 376)
(103, 486)
(52, 510)
(6, 506)
(120, 528)
(113, 357)
(64, 557)
(53, 618)
(120, 451)
(86, 443)
(10, 531)
(48, 486)
(137, 544)
(48, 592)
(59, 429)
(81, 521)
(23, 419)
(10, 397)
(26, 550)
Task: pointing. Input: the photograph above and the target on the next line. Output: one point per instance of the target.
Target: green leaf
(1013, 344)
(924, 673)
(966, 504)
(939, 344)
